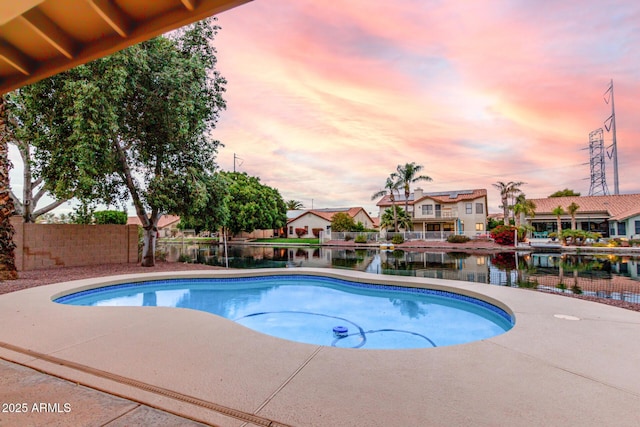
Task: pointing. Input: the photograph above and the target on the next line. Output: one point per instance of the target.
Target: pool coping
(548, 368)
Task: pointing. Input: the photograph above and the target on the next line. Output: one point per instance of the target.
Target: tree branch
(49, 207)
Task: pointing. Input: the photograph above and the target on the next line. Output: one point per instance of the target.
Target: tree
(8, 269)
(252, 205)
(391, 187)
(406, 175)
(341, 221)
(213, 214)
(571, 209)
(397, 219)
(31, 116)
(558, 212)
(137, 124)
(564, 193)
(507, 191)
(294, 205)
(523, 207)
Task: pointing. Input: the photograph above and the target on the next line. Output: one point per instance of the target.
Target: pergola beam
(190, 5)
(49, 31)
(113, 16)
(15, 58)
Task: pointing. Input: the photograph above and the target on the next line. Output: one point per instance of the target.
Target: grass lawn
(294, 240)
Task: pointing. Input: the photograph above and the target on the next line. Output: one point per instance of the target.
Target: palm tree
(390, 187)
(571, 209)
(558, 212)
(507, 190)
(523, 207)
(400, 218)
(407, 175)
(293, 205)
(8, 269)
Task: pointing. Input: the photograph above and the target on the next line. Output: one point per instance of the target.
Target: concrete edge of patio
(547, 369)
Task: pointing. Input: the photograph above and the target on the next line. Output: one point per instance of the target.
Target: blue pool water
(319, 310)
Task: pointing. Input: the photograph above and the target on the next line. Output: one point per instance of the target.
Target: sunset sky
(325, 99)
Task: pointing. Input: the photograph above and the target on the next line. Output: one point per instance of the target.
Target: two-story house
(442, 213)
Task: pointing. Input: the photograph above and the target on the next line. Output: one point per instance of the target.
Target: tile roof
(439, 196)
(328, 213)
(617, 207)
(164, 221)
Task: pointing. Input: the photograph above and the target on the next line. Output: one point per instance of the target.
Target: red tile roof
(440, 196)
(164, 221)
(328, 213)
(616, 207)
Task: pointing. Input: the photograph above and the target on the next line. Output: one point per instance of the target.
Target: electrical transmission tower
(596, 164)
(610, 125)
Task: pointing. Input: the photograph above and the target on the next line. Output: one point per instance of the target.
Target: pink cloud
(325, 99)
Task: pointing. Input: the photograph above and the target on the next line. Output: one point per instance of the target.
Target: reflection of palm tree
(410, 309)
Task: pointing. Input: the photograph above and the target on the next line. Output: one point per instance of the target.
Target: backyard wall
(67, 245)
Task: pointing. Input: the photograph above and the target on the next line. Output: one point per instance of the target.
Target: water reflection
(604, 276)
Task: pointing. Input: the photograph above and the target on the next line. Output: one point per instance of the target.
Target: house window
(479, 208)
(468, 208)
(290, 230)
(479, 226)
(622, 229)
(612, 230)
(637, 227)
(427, 209)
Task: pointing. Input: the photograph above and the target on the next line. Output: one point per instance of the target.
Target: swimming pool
(319, 310)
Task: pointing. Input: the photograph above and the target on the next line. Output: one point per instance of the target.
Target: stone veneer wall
(72, 245)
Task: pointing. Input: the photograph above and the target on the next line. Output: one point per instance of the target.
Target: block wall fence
(71, 245)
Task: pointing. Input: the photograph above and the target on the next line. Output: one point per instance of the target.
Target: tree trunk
(505, 210)
(150, 238)
(8, 269)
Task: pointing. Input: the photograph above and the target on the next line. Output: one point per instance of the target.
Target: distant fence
(407, 235)
(65, 245)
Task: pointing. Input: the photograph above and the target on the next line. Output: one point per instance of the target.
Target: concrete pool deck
(548, 370)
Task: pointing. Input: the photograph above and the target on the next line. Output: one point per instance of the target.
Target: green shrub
(347, 238)
(110, 217)
(397, 239)
(457, 238)
(184, 258)
(361, 238)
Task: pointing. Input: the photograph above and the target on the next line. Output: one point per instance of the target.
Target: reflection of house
(460, 212)
(612, 216)
(320, 219)
(167, 224)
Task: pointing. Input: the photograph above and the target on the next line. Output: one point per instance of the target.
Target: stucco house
(438, 214)
(167, 224)
(320, 219)
(611, 216)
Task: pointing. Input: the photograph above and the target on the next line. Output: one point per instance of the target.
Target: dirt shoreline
(31, 279)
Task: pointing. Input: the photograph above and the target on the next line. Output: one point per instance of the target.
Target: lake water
(604, 276)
